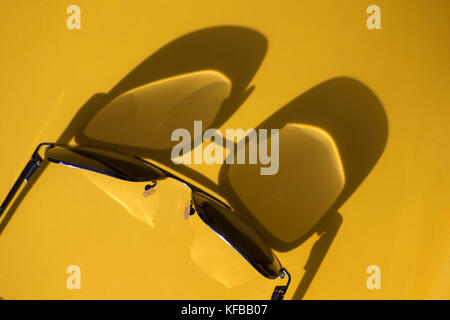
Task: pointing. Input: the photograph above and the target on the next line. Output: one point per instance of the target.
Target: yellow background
(397, 219)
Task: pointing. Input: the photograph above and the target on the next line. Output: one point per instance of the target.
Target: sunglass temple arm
(26, 174)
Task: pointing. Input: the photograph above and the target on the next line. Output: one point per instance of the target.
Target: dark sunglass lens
(103, 161)
(233, 229)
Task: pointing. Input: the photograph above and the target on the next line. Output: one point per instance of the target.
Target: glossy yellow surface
(317, 56)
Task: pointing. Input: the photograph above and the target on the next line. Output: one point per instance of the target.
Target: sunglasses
(218, 215)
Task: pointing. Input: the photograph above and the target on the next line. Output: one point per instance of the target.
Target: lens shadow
(355, 119)
(353, 116)
(234, 51)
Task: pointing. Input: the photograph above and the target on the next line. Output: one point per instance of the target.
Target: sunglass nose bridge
(150, 188)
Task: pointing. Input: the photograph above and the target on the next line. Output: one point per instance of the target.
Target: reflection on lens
(234, 230)
(103, 161)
